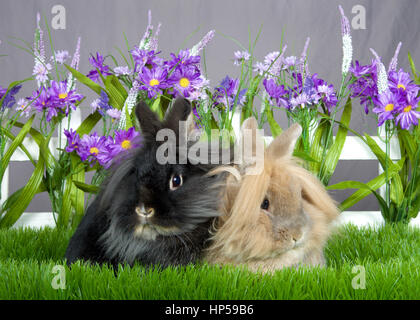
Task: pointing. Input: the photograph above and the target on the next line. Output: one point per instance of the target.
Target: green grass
(390, 256)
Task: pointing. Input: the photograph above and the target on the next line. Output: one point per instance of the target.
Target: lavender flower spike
(382, 83)
(302, 63)
(347, 46)
(39, 53)
(393, 64)
(145, 41)
(129, 103)
(75, 65)
(200, 46)
(154, 40)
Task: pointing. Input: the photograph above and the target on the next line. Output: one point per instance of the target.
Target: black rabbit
(147, 212)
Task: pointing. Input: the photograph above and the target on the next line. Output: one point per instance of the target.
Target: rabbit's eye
(175, 182)
(265, 204)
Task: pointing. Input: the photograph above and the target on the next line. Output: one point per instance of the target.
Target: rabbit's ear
(179, 111)
(284, 144)
(251, 143)
(149, 121)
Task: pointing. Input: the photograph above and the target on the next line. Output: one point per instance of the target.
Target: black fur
(183, 217)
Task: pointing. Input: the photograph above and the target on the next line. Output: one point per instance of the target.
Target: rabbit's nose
(145, 212)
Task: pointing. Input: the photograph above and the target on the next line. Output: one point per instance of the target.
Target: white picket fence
(354, 149)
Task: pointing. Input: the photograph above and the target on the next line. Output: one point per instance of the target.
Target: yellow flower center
(153, 82)
(407, 108)
(94, 150)
(184, 82)
(63, 95)
(389, 107)
(401, 86)
(126, 144)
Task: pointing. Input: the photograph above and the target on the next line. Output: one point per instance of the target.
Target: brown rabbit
(280, 217)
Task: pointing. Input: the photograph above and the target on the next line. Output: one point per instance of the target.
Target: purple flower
(227, 93)
(153, 80)
(61, 56)
(276, 92)
(73, 140)
(90, 146)
(408, 114)
(9, 100)
(61, 98)
(144, 58)
(365, 83)
(185, 80)
(125, 140)
(98, 64)
(102, 104)
(184, 58)
(260, 68)
(300, 100)
(327, 95)
(401, 80)
(114, 113)
(122, 71)
(40, 98)
(41, 71)
(289, 62)
(241, 56)
(202, 43)
(387, 105)
(22, 105)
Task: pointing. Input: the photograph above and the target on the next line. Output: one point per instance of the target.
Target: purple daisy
(300, 100)
(276, 92)
(144, 58)
(240, 56)
(125, 140)
(90, 146)
(153, 80)
(122, 71)
(98, 64)
(184, 80)
(61, 56)
(408, 114)
(387, 105)
(102, 104)
(73, 140)
(184, 58)
(227, 93)
(62, 98)
(401, 80)
(9, 100)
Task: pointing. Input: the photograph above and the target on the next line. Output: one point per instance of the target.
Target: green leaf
(157, 107)
(374, 184)
(317, 148)
(86, 187)
(88, 124)
(333, 154)
(11, 86)
(85, 80)
(413, 69)
(14, 145)
(66, 208)
(77, 196)
(25, 197)
(274, 126)
(397, 191)
(116, 92)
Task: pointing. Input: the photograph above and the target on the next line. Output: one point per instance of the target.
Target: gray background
(101, 24)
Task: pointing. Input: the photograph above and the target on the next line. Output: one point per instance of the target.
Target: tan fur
(294, 229)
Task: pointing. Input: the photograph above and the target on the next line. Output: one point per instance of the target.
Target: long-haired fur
(292, 233)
